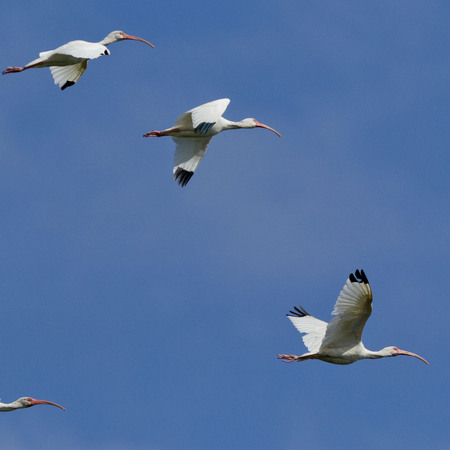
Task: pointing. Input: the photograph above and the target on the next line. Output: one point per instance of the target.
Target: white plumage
(313, 328)
(65, 75)
(69, 61)
(339, 341)
(193, 132)
(189, 152)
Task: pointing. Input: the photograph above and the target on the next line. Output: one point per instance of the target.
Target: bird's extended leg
(292, 358)
(289, 358)
(20, 69)
(13, 69)
(153, 134)
(167, 132)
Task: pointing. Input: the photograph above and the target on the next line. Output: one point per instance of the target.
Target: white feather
(314, 329)
(189, 152)
(77, 49)
(208, 113)
(62, 74)
(352, 309)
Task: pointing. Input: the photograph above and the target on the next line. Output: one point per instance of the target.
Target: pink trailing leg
(289, 358)
(153, 134)
(13, 70)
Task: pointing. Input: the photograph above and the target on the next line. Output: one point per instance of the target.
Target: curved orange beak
(134, 38)
(45, 402)
(404, 352)
(261, 125)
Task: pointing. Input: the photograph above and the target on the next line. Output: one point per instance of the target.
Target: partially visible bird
(68, 62)
(339, 341)
(193, 131)
(25, 402)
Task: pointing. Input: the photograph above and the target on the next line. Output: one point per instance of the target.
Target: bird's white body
(193, 132)
(339, 341)
(69, 61)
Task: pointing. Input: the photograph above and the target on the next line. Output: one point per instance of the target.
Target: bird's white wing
(313, 328)
(203, 117)
(67, 76)
(352, 309)
(76, 52)
(77, 49)
(188, 154)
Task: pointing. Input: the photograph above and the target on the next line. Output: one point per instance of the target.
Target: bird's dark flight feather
(359, 277)
(299, 312)
(67, 84)
(203, 127)
(183, 176)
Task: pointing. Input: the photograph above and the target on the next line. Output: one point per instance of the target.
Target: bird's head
(253, 123)
(24, 402)
(27, 402)
(395, 351)
(116, 36)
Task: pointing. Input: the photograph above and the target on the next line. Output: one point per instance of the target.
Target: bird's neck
(230, 125)
(375, 355)
(4, 407)
(107, 40)
(363, 353)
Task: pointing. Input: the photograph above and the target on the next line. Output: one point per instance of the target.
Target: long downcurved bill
(404, 352)
(261, 125)
(134, 38)
(45, 402)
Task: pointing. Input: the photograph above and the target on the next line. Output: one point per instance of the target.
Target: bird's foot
(12, 70)
(153, 134)
(289, 358)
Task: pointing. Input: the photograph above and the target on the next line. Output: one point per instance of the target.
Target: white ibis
(26, 402)
(193, 131)
(339, 341)
(68, 62)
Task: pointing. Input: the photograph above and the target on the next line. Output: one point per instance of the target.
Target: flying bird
(339, 341)
(25, 402)
(193, 131)
(68, 62)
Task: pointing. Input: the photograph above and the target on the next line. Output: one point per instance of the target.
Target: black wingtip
(67, 84)
(182, 176)
(299, 312)
(359, 277)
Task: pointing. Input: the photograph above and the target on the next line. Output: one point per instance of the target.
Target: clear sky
(153, 313)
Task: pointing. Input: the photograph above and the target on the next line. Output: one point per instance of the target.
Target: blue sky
(154, 314)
